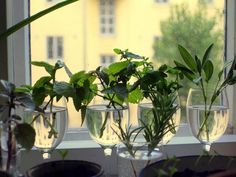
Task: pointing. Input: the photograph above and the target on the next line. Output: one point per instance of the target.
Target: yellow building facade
(85, 33)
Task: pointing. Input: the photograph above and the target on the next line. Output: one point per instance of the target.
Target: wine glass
(208, 121)
(145, 114)
(103, 124)
(49, 126)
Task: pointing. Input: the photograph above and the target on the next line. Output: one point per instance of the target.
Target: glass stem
(207, 147)
(108, 166)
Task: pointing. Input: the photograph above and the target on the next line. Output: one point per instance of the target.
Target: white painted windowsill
(90, 151)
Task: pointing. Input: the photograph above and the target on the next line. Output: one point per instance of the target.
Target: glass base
(129, 166)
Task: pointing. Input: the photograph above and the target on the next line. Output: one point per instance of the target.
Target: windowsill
(90, 151)
(185, 140)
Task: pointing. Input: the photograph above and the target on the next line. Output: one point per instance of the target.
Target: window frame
(22, 37)
(17, 55)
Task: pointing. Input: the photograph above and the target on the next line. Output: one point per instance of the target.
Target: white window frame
(18, 55)
(85, 148)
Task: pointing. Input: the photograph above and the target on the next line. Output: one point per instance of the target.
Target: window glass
(107, 8)
(74, 33)
(106, 60)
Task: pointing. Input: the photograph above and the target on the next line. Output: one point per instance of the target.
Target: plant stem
(9, 138)
(133, 168)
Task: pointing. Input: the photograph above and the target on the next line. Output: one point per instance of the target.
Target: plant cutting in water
(202, 73)
(156, 86)
(43, 89)
(10, 99)
(161, 89)
(80, 89)
(116, 82)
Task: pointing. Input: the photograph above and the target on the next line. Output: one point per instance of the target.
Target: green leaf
(207, 54)
(4, 100)
(103, 76)
(4, 111)
(131, 55)
(135, 96)
(63, 153)
(42, 81)
(34, 17)
(63, 88)
(116, 67)
(199, 65)
(6, 87)
(208, 69)
(39, 95)
(49, 68)
(77, 76)
(25, 135)
(117, 51)
(83, 113)
(77, 102)
(25, 100)
(120, 90)
(163, 68)
(23, 89)
(182, 68)
(187, 58)
(220, 74)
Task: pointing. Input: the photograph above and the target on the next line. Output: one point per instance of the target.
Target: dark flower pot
(228, 173)
(4, 174)
(191, 166)
(66, 168)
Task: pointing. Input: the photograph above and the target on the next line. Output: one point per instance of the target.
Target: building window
(107, 16)
(209, 1)
(162, 1)
(106, 60)
(54, 47)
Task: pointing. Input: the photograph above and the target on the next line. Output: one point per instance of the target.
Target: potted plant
(190, 166)
(13, 129)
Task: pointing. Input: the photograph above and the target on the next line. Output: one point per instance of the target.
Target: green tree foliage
(193, 29)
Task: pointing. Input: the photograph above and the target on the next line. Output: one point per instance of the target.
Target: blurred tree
(193, 29)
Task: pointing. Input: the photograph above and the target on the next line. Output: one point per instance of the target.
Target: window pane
(59, 47)
(148, 28)
(50, 47)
